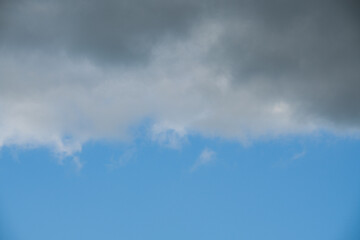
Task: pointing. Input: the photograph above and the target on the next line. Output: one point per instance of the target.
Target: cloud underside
(74, 71)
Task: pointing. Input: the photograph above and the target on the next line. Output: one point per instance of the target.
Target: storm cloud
(74, 71)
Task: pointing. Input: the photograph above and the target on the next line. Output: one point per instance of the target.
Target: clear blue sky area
(286, 189)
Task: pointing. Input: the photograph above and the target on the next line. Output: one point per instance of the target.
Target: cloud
(107, 31)
(207, 156)
(306, 53)
(171, 136)
(285, 163)
(75, 71)
(78, 164)
(127, 156)
(299, 155)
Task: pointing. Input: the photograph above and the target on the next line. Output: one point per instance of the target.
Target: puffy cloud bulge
(75, 71)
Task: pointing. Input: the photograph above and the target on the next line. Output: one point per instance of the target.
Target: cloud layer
(74, 71)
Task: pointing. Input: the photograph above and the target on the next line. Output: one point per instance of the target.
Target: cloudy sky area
(74, 71)
(179, 119)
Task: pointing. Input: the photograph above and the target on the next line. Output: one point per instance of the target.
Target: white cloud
(207, 156)
(168, 135)
(298, 155)
(285, 163)
(124, 159)
(78, 164)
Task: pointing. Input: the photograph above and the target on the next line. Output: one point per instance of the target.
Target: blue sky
(289, 188)
(181, 119)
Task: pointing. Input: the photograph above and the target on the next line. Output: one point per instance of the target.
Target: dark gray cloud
(109, 30)
(307, 52)
(239, 69)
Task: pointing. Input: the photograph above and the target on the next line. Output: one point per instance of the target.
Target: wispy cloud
(298, 155)
(168, 135)
(78, 163)
(124, 159)
(285, 163)
(207, 156)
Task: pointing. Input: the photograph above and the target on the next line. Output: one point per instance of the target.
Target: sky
(202, 119)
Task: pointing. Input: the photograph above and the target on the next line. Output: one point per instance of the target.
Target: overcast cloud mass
(74, 71)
